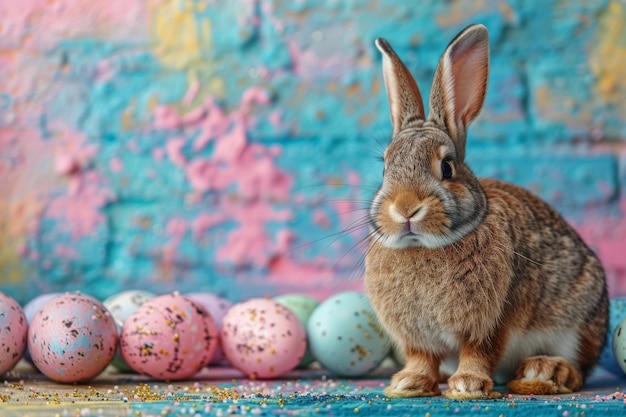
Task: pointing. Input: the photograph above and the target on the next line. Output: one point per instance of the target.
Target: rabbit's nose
(405, 206)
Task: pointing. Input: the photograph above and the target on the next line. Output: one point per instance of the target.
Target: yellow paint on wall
(552, 106)
(16, 219)
(608, 54)
(128, 116)
(179, 33)
(10, 262)
(457, 12)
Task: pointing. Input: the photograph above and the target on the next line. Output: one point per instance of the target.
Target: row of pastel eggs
(73, 337)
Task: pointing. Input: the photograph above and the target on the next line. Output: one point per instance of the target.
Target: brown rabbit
(477, 279)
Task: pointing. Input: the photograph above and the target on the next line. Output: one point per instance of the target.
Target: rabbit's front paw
(469, 387)
(543, 375)
(407, 384)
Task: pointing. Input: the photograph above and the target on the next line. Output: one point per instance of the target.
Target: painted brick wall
(230, 145)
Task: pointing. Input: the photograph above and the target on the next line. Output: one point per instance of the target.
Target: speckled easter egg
(13, 332)
(617, 313)
(169, 337)
(31, 308)
(72, 338)
(302, 306)
(619, 345)
(217, 308)
(263, 338)
(121, 306)
(345, 336)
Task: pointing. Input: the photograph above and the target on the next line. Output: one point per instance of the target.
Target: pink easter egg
(263, 338)
(31, 308)
(169, 337)
(13, 333)
(217, 308)
(72, 338)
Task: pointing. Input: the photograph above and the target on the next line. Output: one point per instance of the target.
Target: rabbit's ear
(405, 101)
(460, 84)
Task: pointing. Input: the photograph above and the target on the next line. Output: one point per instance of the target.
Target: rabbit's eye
(446, 169)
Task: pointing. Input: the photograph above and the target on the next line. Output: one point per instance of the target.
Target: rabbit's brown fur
(480, 274)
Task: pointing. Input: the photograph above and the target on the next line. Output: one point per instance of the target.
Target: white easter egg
(619, 344)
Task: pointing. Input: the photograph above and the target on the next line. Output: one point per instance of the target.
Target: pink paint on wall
(116, 165)
(276, 119)
(174, 151)
(250, 243)
(309, 64)
(72, 149)
(215, 124)
(607, 236)
(176, 228)
(66, 164)
(54, 179)
(203, 224)
(193, 117)
(253, 96)
(166, 117)
(158, 154)
(317, 272)
(79, 213)
(104, 71)
(229, 147)
(247, 169)
(192, 92)
(23, 21)
(65, 252)
(204, 175)
(321, 218)
(79, 210)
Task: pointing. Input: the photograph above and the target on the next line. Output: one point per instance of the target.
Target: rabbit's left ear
(460, 84)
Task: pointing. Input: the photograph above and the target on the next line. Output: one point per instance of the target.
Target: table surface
(220, 391)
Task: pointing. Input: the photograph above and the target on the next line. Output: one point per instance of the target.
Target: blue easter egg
(345, 336)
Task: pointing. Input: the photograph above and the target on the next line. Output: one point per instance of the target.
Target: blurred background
(232, 146)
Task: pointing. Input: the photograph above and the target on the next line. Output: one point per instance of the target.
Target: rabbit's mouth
(404, 240)
(412, 239)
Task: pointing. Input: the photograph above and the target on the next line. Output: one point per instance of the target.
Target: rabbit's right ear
(460, 84)
(405, 101)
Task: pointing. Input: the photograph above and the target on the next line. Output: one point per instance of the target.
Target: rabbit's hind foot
(546, 375)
